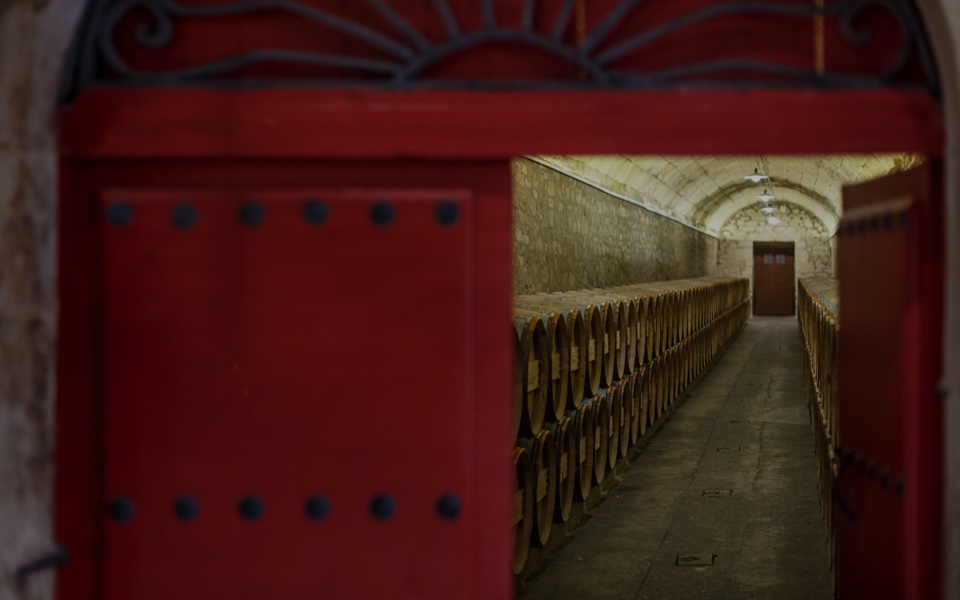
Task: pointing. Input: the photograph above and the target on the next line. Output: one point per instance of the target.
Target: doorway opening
(773, 278)
(168, 143)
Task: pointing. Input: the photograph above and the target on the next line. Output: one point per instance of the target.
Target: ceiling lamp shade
(765, 197)
(768, 209)
(756, 177)
(773, 221)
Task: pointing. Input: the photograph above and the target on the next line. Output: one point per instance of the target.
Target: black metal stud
(449, 507)
(120, 509)
(119, 214)
(315, 212)
(874, 224)
(872, 470)
(861, 463)
(252, 214)
(887, 222)
(184, 216)
(317, 508)
(850, 230)
(901, 487)
(902, 219)
(382, 507)
(186, 508)
(447, 213)
(943, 390)
(838, 450)
(382, 214)
(885, 478)
(250, 508)
(861, 227)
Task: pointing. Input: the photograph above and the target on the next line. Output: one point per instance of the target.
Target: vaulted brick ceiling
(706, 191)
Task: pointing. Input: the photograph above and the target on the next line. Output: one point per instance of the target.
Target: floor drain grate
(696, 560)
(716, 493)
(728, 448)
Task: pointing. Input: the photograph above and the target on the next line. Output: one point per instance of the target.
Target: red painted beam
(291, 123)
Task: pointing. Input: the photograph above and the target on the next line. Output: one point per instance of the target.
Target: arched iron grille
(400, 56)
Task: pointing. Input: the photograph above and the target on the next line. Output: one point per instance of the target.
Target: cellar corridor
(722, 503)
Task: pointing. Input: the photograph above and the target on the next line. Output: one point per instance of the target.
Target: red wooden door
(889, 485)
(773, 278)
(272, 350)
(253, 412)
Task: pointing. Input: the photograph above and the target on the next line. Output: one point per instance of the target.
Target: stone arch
(823, 228)
(713, 212)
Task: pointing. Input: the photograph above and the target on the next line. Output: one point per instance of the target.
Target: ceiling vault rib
(710, 204)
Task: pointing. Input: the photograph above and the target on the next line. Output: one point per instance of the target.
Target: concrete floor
(730, 479)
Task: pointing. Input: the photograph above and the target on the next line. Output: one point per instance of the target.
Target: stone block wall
(813, 246)
(571, 235)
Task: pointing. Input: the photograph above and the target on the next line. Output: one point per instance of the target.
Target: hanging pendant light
(765, 197)
(773, 221)
(768, 209)
(756, 177)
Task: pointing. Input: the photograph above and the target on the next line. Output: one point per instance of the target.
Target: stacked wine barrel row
(593, 369)
(818, 313)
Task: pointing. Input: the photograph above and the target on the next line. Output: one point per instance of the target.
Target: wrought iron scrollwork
(406, 56)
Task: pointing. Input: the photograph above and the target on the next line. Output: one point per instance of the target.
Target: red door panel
(265, 379)
(890, 444)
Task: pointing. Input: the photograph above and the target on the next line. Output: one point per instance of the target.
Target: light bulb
(756, 177)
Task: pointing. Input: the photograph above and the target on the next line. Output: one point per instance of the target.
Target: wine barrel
(626, 409)
(643, 389)
(651, 393)
(641, 303)
(565, 434)
(666, 316)
(534, 363)
(615, 328)
(558, 365)
(615, 409)
(543, 461)
(649, 320)
(656, 321)
(584, 430)
(635, 407)
(522, 508)
(672, 376)
(593, 326)
(660, 385)
(683, 311)
(579, 369)
(610, 324)
(601, 425)
(633, 334)
(630, 338)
